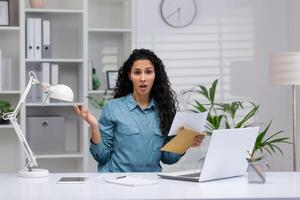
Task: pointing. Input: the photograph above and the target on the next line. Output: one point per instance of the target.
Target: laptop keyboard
(191, 175)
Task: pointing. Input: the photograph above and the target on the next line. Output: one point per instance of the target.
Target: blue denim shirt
(130, 138)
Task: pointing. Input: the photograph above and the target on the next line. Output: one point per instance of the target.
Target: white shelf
(81, 30)
(67, 60)
(52, 104)
(67, 155)
(9, 92)
(6, 126)
(114, 30)
(9, 28)
(56, 11)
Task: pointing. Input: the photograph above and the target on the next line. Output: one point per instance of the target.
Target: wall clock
(178, 13)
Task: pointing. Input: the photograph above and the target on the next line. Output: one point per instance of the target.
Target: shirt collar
(132, 104)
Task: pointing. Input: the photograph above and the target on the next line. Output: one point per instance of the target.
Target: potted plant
(98, 103)
(224, 115)
(5, 107)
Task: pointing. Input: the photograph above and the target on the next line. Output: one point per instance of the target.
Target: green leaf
(247, 117)
(199, 106)
(204, 91)
(212, 91)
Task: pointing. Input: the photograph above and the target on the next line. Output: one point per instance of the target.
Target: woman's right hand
(86, 115)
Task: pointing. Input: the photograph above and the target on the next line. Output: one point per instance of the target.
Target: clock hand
(172, 13)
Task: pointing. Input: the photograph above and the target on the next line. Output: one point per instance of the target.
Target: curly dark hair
(161, 91)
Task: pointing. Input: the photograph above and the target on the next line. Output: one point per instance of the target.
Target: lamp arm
(12, 116)
(32, 81)
(29, 154)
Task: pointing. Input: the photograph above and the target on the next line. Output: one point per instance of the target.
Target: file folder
(45, 78)
(183, 140)
(37, 38)
(30, 38)
(0, 70)
(46, 47)
(54, 74)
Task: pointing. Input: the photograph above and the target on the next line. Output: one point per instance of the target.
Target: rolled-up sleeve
(169, 157)
(102, 151)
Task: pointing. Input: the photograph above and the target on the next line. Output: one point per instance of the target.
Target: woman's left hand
(198, 139)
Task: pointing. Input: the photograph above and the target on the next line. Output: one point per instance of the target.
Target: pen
(121, 177)
(256, 169)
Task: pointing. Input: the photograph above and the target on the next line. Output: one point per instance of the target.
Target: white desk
(283, 185)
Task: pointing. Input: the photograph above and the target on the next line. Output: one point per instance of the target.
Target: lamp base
(34, 173)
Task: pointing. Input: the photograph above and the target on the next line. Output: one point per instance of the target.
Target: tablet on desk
(72, 180)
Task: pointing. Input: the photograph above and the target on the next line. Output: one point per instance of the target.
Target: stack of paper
(131, 181)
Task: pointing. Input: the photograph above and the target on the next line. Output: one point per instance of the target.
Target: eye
(136, 72)
(149, 71)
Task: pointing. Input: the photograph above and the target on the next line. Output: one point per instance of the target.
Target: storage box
(46, 134)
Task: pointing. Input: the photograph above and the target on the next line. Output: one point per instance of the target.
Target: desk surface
(279, 185)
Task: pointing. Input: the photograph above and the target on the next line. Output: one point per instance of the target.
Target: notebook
(131, 181)
(225, 157)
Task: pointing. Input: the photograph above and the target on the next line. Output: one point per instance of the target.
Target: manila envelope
(182, 141)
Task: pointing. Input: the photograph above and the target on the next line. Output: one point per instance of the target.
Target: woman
(134, 125)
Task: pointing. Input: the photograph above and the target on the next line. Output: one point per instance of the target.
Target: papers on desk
(130, 181)
(191, 120)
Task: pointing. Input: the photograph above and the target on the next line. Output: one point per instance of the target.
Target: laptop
(225, 157)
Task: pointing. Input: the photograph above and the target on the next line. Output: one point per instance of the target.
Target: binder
(1, 70)
(30, 38)
(45, 78)
(54, 74)
(34, 94)
(46, 47)
(37, 38)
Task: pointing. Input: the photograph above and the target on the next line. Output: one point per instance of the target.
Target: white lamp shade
(62, 92)
(285, 68)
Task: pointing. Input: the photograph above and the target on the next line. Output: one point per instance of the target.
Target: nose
(143, 77)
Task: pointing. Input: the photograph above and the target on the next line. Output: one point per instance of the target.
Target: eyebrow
(137, 68)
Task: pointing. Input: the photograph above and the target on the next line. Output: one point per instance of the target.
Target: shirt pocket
(129, 137)
(158, 140)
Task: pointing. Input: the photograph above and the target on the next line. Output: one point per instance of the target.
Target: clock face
(178, 13)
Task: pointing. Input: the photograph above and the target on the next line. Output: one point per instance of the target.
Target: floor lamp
(285, 70)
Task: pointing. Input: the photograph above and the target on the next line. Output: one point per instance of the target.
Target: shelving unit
(81, 30)
(10, 44)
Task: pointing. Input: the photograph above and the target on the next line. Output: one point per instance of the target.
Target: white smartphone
(72, 180)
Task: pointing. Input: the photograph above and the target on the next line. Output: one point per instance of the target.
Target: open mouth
(143, 86)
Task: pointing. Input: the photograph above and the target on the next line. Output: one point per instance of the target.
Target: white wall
(230, 40)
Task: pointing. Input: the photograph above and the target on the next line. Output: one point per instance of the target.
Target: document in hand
(131, 181)
(194, 121)
(183, 140)
(186, 125)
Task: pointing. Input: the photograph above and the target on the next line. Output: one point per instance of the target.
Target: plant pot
(37, 3)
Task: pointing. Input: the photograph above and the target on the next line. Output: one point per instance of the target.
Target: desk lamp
(285, 70)
(61, 92)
